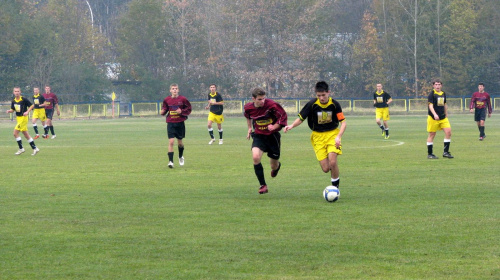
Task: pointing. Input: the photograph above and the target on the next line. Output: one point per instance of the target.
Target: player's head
(379, 87)
(174, 90)
(437, 84)
(213, 87)
(480, 86)
(47, 88)
(321, 86)
(322, 92)
(36, 90)
(16, 91)
(258, 97)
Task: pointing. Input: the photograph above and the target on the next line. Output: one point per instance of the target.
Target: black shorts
(49, 113)
(176, 130)
(268, 143)
(480, 114)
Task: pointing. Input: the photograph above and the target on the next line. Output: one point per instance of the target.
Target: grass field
(98, 202)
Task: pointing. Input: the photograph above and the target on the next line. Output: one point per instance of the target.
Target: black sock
(429, 149)
(220, 134)
(336, 183)
(446, 146)
(171, 156)
(32, 144)
(181, 151)
(259, 171)
(211, 132)
(35, 127)
(481, 131)
(382, 127)
(52, 129)
(46, 130)
(387, 132)
(20, 143)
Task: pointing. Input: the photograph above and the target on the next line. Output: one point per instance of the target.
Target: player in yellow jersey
(327, 122)
(215, 104)
(39, 112)
(22, 107)
(437, 119)
(381, 101)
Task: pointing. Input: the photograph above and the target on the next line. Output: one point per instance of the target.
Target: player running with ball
(324, 116)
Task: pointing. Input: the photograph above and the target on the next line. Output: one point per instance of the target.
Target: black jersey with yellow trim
(216, 97)
(322, 117)
(38, 100)
(381, 99)
(20, 106)
(438, 100)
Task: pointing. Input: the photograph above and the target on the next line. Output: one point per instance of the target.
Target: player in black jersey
(327, 122)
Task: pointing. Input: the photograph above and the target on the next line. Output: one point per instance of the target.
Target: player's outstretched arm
(295, 123)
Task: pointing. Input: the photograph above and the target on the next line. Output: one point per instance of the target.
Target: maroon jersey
(171, 104)
(51, 99)
(481, 100)
(270, 113)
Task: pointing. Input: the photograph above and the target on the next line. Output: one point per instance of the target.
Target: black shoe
(447, 155)
(432, 156)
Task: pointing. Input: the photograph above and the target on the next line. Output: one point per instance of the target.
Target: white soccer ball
(331, 194)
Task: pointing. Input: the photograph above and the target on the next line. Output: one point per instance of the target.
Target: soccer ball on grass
(331, 194)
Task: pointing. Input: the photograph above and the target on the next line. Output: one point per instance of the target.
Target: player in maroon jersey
(265, 118)
(51, 102)
(480, 101)
(177, 109)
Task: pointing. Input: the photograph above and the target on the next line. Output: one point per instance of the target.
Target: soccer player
(324, 116)
(215, 103)
(39, 111)
(51, 102)
(177, 109)
(22, 106)
(266, 118)
(381, 101)
(480, 101)
(437, 119)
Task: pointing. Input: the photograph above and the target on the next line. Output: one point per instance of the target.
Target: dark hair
(436, 81)
(258, 92)
(213, 85)
(321, 86)
(481, 84)
(174, 85)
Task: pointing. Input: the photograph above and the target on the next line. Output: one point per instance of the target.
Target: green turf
(99, 202)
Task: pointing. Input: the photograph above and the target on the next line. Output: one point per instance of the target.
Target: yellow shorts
(324, 143)
(22, 123)
(215, 118)
(433, 125)
(382, 113)
(39, 114)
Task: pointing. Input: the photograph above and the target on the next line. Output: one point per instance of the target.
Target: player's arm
(490, 109)
(471, 105)
(29, 109)
(295, 123)
(431, 108)
(445, 110)
(389, 100)
(338, 139)
(249, 125)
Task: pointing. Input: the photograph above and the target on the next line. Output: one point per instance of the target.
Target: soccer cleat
(274, 173)
(170, 164)
(383, 132)
(20, 151)
(53, 136)
(387, 137)
(447, 155)
(45, 136)
(481, 138)
(221, 141)
(432, 156)
(36, 136)
(263, 189)
(211, 141)
(181, 161)
(35, 151)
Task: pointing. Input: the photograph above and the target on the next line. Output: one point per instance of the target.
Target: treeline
(87, 49)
